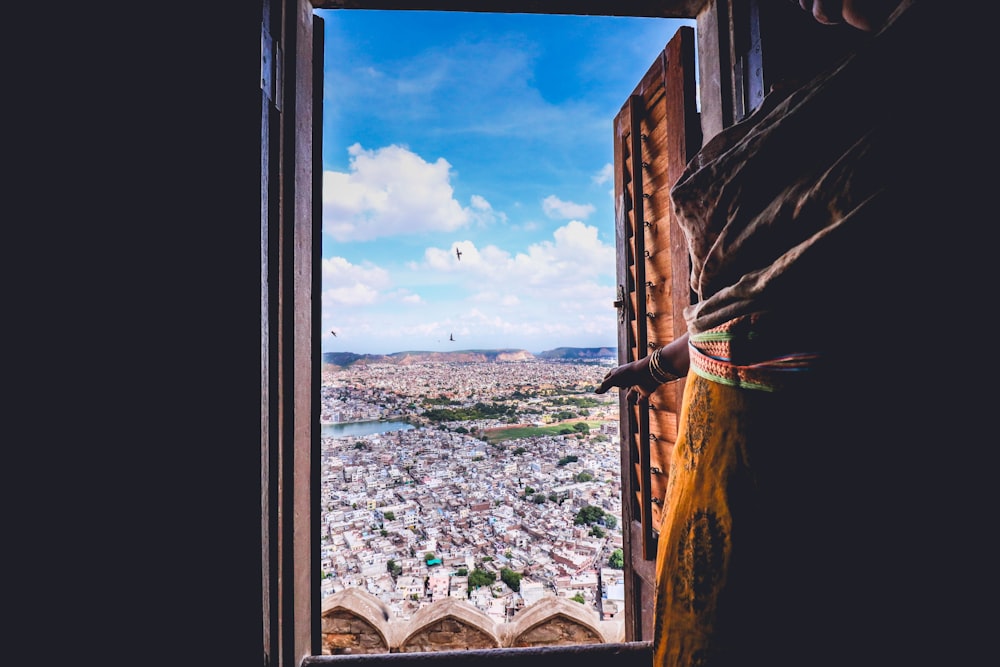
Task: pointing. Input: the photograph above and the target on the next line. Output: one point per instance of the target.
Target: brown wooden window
(655, 133)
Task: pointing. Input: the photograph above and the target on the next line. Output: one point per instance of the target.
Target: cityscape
(496, 483)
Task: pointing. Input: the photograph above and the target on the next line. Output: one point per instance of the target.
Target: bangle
(656, 369)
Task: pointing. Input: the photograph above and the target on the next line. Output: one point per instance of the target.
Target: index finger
(606, 383)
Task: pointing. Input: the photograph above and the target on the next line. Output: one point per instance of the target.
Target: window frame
(291, 141)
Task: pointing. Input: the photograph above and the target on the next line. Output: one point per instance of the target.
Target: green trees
(479, 577)
(577, 401)
(589, 515)
(477, 411)
(511, 578)
(617, 559)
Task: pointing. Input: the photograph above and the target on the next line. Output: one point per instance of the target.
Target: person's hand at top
(867, 15)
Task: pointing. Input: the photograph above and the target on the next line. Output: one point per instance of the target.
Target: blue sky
(489, 133)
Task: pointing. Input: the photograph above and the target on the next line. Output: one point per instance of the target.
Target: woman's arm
(672, 360)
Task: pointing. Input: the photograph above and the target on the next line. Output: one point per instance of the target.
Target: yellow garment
(769, 543)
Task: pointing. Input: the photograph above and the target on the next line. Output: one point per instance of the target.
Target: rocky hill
(579, 353)
(576, 354)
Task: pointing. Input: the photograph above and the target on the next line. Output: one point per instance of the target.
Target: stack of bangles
(656, 369)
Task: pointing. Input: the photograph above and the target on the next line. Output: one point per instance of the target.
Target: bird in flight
(334, 333)
(451, 336)
(458, 253)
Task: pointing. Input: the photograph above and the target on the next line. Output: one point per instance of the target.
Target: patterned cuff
(656, 369)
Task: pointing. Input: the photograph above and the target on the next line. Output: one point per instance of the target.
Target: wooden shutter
(655, 133)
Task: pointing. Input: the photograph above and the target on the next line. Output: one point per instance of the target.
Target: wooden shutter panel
(655, 133)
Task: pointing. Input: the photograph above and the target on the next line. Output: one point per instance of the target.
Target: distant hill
(345, 359)
(579, 353)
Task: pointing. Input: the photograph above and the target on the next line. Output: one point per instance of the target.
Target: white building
(531, 591)
(410, 587)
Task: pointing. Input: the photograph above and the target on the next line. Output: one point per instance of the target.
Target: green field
(501, 434)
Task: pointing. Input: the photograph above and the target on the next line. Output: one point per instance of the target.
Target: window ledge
(626, 654)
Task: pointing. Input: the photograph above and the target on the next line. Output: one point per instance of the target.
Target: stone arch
(449, 624)
(354, 621)
(556, 621)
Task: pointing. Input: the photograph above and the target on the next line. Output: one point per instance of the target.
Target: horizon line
(478, 349)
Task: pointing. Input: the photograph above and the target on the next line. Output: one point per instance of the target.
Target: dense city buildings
(499, 486)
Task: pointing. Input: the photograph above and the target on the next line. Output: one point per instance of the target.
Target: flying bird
(334, 333)
(451, 336)
(458, 253)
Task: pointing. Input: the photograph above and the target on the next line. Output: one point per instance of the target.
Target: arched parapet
(449, 624)
(556, 621)
(354, 621)
(613, 631)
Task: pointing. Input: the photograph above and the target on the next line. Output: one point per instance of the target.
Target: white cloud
(528, 226)
(569, 266)
(482, 212)
(557, 208)
(410, 298)
(361, 303)
(604, 175)
(351, 295)
(506, 300)
(347, 284)
(438, 259)
(390, 191)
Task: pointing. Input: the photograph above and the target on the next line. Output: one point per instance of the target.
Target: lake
(345, 429)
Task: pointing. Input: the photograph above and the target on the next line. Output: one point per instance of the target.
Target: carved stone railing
(356, 622)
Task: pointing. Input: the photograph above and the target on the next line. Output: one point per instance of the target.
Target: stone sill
(628, 654)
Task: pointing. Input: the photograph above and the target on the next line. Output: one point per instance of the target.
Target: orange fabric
(695, 540)
(771, 541)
